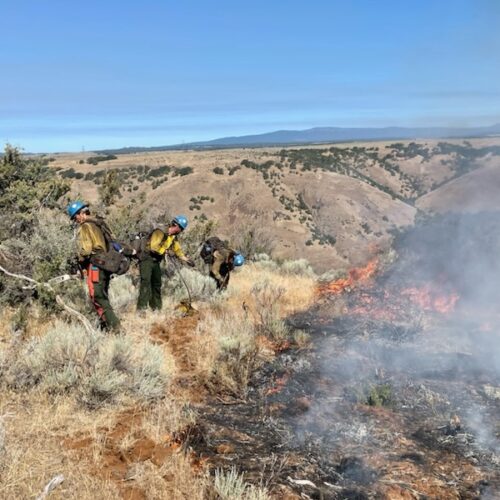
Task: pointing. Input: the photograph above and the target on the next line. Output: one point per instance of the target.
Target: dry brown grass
(298, 295)
(45, 435)
(35, 428)
(167, 419)
(226, 353)
(227, 344)
(175, 479)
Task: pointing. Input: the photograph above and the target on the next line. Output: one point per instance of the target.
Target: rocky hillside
(331, 204)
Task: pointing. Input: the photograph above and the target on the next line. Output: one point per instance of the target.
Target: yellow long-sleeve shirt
(90, 240)
(159, 244)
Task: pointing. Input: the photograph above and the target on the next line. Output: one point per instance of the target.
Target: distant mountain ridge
(325, 135)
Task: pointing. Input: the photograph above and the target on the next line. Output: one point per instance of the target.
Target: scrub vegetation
(74, 400)
(119, 415)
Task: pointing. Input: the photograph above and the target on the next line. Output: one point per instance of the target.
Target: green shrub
(267, 297)
(201, 286)
(97, 369)
(109, 190)
(71, 174)
(159, 171)
(26, 186)
(45, 251)
(234, 169)
(182, 171)
(366, 228)
(232, 486)
(297, 267)
(94, 160)
(380, 395)
(372, 394)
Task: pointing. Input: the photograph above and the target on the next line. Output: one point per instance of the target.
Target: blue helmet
(181, 221)
(238, 259)
(75, 207)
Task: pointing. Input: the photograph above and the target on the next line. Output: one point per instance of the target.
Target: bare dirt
(116, 458)
(329, 207)
(305, 429)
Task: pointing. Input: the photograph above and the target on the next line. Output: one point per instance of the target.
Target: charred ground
(395, 394)
(378, 408)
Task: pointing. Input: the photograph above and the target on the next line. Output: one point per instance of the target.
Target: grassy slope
(104, 452)
(300, 204)
(124, 449)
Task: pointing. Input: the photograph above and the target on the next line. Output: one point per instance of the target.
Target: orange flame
(389, 306)
(279, 385)
(393, 306)
(355, 276)
(429, 301)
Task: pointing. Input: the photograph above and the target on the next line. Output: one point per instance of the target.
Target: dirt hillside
(332, 204)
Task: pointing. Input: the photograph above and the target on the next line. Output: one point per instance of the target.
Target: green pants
(98, 285)
(150, 287)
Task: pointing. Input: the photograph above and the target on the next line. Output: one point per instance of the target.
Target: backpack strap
(165, 237)
(105, 230)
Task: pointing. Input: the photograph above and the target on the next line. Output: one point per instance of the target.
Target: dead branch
(232, 402)
(73, 312)
(404, 485)
(52, 484)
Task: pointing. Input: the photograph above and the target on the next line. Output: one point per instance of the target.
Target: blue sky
(98, 74)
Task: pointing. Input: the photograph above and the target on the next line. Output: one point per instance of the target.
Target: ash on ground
(394, 399)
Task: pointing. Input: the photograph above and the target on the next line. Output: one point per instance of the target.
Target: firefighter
(221, 259)
(156, 247)
(92, 242)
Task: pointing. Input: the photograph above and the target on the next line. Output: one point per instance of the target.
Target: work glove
(189, 262)
(127, 251)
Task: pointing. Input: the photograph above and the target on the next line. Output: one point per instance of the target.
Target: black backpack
(209, 247)
(116, 259)
(140, 243)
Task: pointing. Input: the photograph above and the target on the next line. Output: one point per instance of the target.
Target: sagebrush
(96, 368)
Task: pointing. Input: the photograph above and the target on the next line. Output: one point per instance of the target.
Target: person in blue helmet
(221, 260)
(93, 235)
(157, 245)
